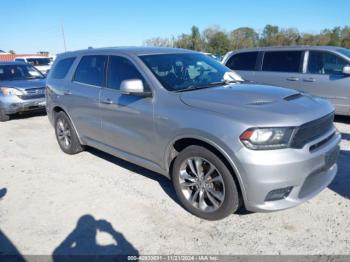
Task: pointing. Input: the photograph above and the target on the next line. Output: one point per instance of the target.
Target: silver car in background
(22, 89)
(322, 71)
(223, 143)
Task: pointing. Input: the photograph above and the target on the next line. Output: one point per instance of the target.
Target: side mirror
(346, 70)
(134, 87)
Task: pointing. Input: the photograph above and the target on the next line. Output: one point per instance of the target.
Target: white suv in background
(43, 64)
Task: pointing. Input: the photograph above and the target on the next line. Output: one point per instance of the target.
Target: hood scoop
(293, 97)
(260, 102)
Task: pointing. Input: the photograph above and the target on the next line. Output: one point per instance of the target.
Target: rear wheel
(204, 185)
(66, 136)
(3, 116)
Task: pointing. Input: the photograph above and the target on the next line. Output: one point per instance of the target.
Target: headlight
(6, 91)
(267, 138)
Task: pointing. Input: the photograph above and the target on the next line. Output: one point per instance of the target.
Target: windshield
(38, 61)
(19, 72)
(344, 51)
(178, 72)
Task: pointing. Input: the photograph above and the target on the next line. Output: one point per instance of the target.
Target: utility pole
(64, 39)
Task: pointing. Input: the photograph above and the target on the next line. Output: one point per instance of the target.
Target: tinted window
(282, 61)
(325, 63)
(120, 69)
(62, 67)
(91, 70)
(243, 61)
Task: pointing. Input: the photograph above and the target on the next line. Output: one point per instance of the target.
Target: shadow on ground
(164, 182)
(341, 183)
(8, 251)
(25, 115)
(81, 244)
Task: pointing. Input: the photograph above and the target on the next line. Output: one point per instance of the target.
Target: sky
(29, 26)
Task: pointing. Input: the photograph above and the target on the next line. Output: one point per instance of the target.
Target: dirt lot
(48, 192)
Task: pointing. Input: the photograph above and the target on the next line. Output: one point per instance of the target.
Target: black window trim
(300, 70)
(105, 69)
(307, 56)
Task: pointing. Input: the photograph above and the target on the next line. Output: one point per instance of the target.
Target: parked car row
(22, 88)
(322, 71)
(223, 142)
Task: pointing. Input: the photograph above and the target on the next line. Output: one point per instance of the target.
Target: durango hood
(259, 103)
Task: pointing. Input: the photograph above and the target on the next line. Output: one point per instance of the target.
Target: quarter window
(62, 67)
(91, 70)
(120, 69)
(243, 61)
(282, 61)
(325, 63)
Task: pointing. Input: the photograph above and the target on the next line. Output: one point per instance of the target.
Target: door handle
(292, 78)
(67, 92)
(311, 79)
(107, 102)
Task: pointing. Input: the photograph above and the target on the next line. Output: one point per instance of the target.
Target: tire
(3, 116)
(66, 136)
(218, 196)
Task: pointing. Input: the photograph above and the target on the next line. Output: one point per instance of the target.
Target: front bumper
(14, 104)
(307, 172)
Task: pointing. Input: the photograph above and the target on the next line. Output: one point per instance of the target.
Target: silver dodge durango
(223, 142)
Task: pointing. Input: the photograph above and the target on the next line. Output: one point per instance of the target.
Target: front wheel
(204, 185)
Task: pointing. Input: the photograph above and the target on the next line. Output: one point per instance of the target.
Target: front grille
(312, 130)
(34, 93)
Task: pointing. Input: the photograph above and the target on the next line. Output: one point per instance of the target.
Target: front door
(324, 78)
(127, 120)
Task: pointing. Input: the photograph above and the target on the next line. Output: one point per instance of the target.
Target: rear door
(281, 68)
(84, 91)
(324, 78)
(244, 64)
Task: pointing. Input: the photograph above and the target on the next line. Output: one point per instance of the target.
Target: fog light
(278, 194)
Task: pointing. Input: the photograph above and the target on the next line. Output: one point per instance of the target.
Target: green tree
(158, 41)
(243, 37)
(12, 52)
(196, 39)
(269, 35)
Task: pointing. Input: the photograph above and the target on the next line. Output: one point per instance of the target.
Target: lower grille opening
(278, 194)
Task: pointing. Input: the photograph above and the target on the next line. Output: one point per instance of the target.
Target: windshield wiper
(194, 87)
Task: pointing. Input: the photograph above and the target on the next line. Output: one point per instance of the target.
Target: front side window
(325, 63)
(178, 72)
(243, 61)
(19, 72)
(282, 61)
(120, 69)
(62, 67)
(91, 70)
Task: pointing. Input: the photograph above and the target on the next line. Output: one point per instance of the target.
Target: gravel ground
(48, 192)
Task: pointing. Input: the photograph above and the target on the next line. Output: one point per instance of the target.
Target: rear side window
(325, 63)
(282, 61)
(120, 69)
(243, 61)
(62, 67)
(91, 70)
